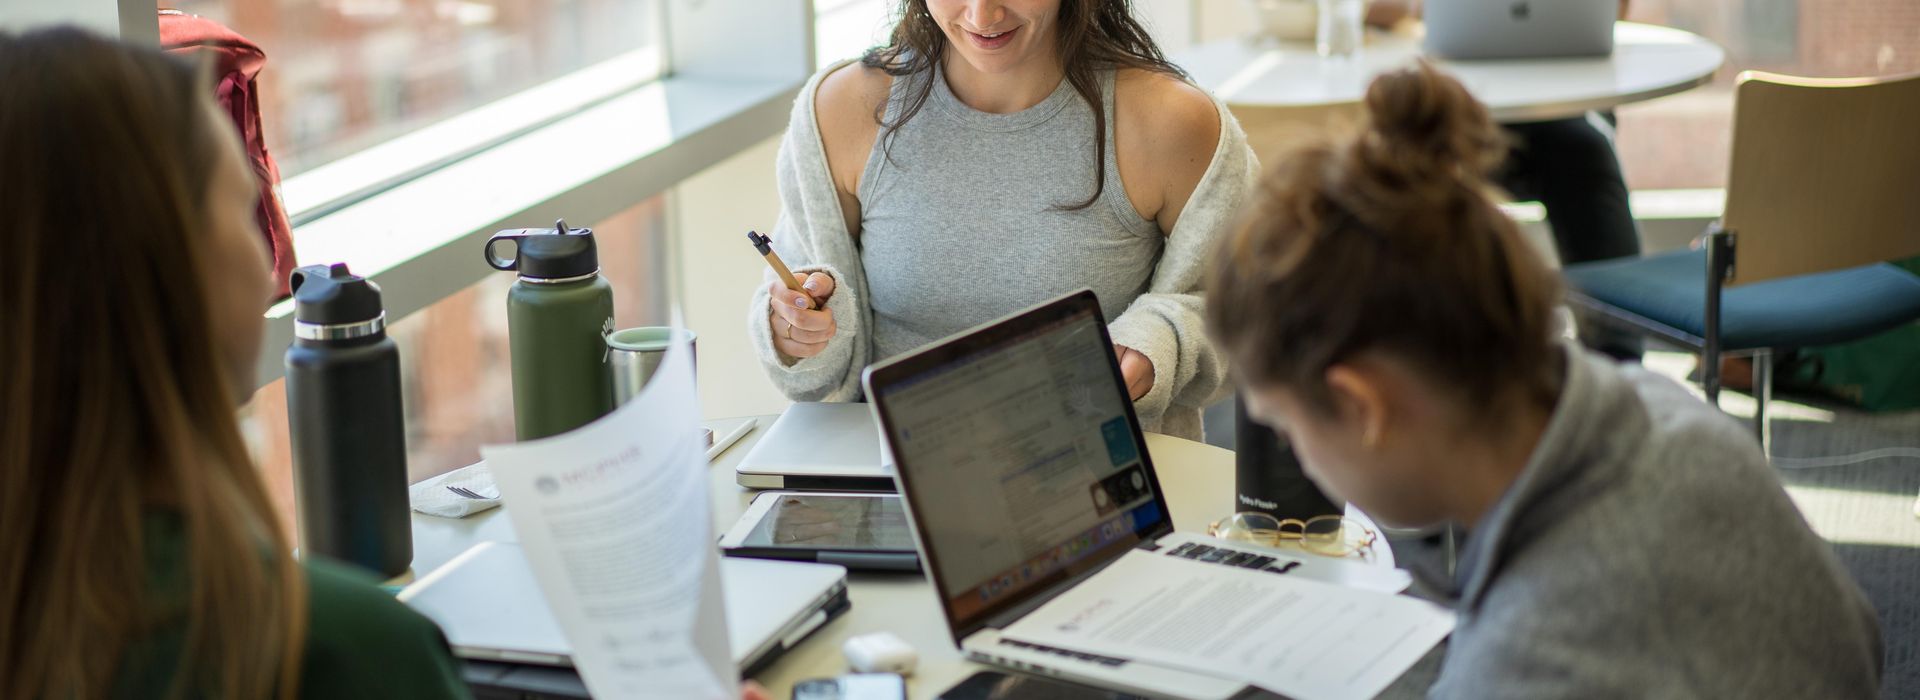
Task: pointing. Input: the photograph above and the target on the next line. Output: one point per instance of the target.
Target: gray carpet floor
(1867, 510)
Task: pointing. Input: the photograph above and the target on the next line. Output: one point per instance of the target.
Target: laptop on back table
(1504, 29)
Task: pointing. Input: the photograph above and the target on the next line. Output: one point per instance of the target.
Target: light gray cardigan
(1164, 323)
(1647, 550)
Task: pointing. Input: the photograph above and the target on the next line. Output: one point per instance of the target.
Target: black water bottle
(349, 434)
(1268, 477)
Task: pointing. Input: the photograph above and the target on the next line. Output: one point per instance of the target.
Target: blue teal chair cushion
(1818, 309)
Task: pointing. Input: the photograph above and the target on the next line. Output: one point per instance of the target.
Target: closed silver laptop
(491, 609)
(819, 447)
(1494, 29)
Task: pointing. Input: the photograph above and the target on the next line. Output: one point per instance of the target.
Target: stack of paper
(1298, 637)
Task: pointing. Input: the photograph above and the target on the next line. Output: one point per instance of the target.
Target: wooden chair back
(1825, 174)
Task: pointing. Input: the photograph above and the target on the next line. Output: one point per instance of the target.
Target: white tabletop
(1197, 479)
(1647, 62)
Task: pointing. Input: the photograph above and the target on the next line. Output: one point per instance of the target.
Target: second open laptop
(1025, 475)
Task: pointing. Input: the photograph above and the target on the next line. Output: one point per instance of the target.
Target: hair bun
(1425, 124)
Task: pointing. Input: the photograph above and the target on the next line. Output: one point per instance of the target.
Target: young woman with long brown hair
(994, 154)
(139, 553)
(1624, 538)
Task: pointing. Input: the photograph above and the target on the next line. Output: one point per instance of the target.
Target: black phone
(995, 685)
(857, 686)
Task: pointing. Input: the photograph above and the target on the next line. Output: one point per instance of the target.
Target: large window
(346, 75)
(1682, 142)
(847, 28)
(411, 129)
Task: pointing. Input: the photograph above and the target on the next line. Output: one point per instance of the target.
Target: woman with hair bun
(1624, 538)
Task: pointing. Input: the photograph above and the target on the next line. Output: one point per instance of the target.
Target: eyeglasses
(1325, 535)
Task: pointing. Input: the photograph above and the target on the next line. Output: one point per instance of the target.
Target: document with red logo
(614, 520)
(1297, 637)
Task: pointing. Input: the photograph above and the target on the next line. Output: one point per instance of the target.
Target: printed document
(614, 519)
(1298, 637)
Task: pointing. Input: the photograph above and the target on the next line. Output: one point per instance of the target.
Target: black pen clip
(761, 243)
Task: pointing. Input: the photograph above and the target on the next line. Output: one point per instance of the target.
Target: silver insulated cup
(635, 353)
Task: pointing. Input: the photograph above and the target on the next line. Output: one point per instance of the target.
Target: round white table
(1647, 62)
(1197, 480)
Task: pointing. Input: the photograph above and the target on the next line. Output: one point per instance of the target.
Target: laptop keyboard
(1095, 658)
(1231, 557)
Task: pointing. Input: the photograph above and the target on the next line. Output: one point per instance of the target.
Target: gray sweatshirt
(1159, 316)
(1648, 551)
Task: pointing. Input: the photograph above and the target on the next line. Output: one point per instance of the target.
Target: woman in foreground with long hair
(139, 553)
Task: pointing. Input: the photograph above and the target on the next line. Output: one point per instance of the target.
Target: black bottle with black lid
(1268, 477)
(347, 423)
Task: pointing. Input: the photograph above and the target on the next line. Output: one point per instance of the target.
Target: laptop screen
(1019, 458)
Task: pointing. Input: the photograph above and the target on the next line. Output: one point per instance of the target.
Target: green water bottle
(558, 316)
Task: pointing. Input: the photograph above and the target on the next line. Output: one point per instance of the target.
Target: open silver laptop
(1025, 474)
(1484, 29)
(818, 446)
(488, 603)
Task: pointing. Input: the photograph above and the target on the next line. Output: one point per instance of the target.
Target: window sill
(1702, 205)
(421, 240)
(1668, 219)
(333, 186)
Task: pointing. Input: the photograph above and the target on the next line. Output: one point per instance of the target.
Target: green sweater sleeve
(361, 643)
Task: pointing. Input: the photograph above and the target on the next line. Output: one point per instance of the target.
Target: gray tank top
(963, 220)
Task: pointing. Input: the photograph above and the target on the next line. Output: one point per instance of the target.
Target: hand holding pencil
(798, 317)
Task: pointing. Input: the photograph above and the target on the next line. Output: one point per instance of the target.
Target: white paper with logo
(614, 519)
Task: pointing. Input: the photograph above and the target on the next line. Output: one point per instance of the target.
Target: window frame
(337, 184)
(729, 74)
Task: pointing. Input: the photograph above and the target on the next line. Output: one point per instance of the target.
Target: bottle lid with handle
(547, 256)
(332, 303)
